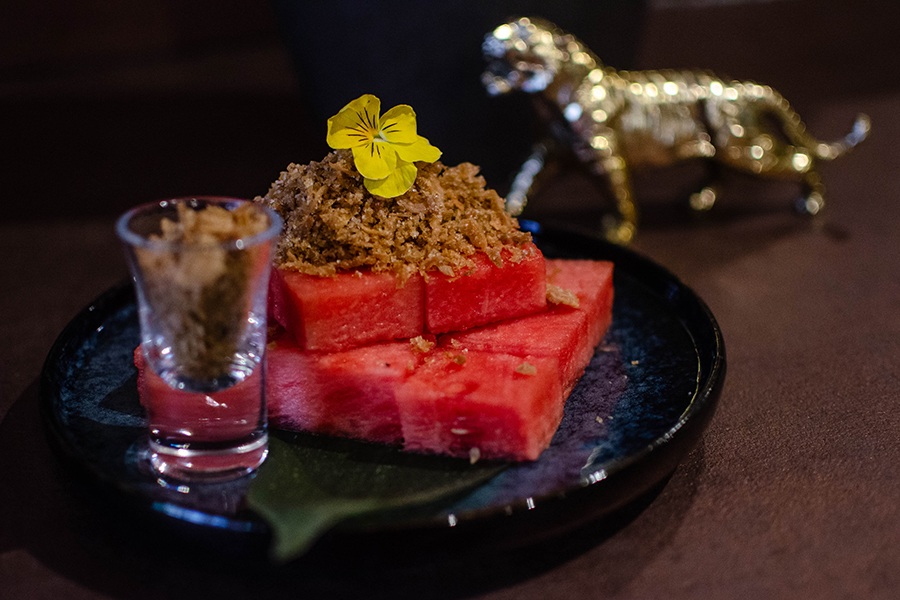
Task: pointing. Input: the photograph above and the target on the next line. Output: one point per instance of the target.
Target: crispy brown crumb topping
(558, 295)
(332, 223)
(201, 288)
(420, 344)
(212, 224)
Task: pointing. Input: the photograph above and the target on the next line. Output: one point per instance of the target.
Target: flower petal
(396, 183)
(375, 160)
(421, 149)
(356, 124)
(398, 125)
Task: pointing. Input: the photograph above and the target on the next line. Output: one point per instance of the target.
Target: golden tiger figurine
(615, 121)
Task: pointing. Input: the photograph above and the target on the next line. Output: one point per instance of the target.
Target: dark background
(791, 493)
(105, 105)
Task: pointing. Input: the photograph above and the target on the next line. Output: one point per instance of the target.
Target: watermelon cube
(348, 309)
(349, 393)
(592, 282)
(492, 405)
(485, 292)
(571, 334)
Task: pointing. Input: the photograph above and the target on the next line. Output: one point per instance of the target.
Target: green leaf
(309, 484)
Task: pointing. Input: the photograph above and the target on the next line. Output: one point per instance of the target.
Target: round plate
(645, 398)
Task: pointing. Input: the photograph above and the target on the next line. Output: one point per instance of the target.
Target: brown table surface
(793, 491)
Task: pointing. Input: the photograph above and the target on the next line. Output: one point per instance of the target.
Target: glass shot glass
(200, 268)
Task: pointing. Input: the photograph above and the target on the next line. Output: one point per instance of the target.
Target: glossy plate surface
(643, 402)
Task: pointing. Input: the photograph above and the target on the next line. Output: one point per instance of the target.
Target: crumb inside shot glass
(200, 268)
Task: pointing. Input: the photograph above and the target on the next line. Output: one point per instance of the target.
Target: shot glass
(200, 268)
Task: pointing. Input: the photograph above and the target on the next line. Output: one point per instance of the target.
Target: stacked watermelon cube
(485, 375)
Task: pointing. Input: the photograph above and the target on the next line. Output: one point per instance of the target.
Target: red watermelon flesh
(348, 393)
(592, 282)
(360, 307)
(348, 309)
(571, 334)
(492, 406)
(486, 292)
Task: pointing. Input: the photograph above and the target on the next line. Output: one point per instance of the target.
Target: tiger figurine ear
(615, 122)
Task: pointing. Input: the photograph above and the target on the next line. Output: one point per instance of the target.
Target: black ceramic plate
(645, 398)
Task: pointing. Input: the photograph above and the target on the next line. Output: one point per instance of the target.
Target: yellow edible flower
(384, 146)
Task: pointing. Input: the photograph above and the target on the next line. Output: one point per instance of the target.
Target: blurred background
(107, 104)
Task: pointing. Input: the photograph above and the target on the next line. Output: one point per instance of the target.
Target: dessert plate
(643, 402)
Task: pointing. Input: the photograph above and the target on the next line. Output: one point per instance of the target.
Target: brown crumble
(420, 344)
(558, 295)
(332, 223)
(459, 359)
(212, 224)
(201, 289)
(526, 368)
(474, 455)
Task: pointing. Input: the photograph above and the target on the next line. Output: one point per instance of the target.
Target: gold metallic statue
(616, 121)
